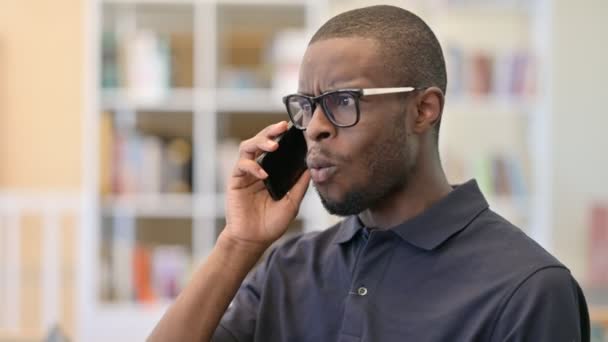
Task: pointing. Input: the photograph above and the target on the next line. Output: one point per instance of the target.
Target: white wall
(579, 124)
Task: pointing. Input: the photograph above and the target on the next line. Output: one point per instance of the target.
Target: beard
(389, 164)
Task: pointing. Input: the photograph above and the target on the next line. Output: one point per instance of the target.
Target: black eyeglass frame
(356, 93)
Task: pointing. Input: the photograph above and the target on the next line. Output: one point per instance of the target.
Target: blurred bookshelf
(180, 83)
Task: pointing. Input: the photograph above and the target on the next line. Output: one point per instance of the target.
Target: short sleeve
(239, 321)
(547, 306)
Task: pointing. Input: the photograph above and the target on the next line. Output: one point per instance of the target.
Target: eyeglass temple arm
(380, 91)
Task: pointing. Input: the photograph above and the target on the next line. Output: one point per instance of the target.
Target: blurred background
(119, 121)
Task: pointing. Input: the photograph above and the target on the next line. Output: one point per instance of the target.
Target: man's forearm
(196, 312)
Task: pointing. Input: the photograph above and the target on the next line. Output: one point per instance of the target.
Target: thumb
(298, 191)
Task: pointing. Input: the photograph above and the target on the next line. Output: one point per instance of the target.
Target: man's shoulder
(506, 246)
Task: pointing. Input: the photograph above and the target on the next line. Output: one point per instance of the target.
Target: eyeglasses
(341, 107)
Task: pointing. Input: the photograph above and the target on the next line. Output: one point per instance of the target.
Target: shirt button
(362, 291)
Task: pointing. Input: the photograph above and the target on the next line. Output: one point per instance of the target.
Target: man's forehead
(334, 62)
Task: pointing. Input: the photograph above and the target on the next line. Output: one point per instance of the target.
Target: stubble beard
(389, 164)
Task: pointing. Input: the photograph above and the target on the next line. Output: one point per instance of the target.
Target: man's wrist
(240, 247)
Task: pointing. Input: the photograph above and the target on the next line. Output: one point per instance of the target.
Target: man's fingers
(263, 141)
(298, 191)
(248, 167)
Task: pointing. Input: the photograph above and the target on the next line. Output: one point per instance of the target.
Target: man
(415, 259)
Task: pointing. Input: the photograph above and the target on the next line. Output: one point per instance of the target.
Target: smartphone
(286, 164)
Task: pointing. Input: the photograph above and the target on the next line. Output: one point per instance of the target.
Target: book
(170, 265)
(142, 275)
(106, 141)
(109, 60)
(123, 240)
(455, 65)
(598, 246)
(480, 80)
(147, 67)
(287, 49)
(181, 49)
(178, 166)
(146, 163)
(151, 167)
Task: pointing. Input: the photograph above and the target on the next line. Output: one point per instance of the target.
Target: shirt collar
(435, 225)
(348, 228)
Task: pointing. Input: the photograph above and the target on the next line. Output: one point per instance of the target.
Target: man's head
(408, 47)
(357, 168)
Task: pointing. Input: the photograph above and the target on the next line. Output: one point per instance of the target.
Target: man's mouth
(321, 170)
(322, 175)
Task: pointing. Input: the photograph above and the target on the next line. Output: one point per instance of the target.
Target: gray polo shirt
(457, 272)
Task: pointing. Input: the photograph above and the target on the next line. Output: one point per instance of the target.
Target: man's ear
(430, 103)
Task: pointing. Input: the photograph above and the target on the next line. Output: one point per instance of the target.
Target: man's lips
(321, 169)
(322, 175)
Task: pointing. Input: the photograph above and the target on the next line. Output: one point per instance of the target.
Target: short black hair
(412, 53)
(411, 49)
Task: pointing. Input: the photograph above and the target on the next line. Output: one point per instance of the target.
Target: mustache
(323, 153)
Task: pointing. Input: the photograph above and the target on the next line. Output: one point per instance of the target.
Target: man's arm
(253, 222)
(198, 309)
(545, 307)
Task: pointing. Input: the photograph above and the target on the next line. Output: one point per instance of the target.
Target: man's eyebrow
(333, 87)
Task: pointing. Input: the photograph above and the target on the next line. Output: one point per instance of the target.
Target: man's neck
(422, 190)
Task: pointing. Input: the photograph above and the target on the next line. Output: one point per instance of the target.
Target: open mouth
(321, 169)
(322, 174)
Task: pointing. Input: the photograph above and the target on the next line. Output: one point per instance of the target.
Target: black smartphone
(286, 164)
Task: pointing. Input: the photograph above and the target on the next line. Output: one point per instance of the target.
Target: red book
(598, 247)
(142, 275)
(481, 77)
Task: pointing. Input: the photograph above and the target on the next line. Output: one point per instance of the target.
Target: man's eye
(306, 107)
(345, 100)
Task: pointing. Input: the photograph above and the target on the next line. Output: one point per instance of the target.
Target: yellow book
(106, 140)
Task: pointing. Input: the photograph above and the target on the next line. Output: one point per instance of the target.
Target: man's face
(355, 168)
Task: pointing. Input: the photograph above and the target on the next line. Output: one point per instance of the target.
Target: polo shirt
(456, 272)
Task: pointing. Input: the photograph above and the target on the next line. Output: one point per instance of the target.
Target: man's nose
(319, 127)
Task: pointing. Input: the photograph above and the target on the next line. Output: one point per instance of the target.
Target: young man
(415, 259)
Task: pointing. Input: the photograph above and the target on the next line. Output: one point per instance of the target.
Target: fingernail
(263, 173)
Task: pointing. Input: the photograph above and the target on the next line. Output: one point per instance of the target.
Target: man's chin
(349, 204)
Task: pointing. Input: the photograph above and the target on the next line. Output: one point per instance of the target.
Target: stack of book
(135, 163)
(147, 63)
(479, 73)
(498, 174)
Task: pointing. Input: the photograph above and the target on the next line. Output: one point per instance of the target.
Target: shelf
(259, 2)
(250, 100)
(489, 106)
(129, 321)
(479, 7)
(167, 205)
(128, 307)
(178, 99)
(599, 314)
(154, 2)
(160, 205)
(219, 2)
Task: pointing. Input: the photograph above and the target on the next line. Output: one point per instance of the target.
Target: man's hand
(252, 216)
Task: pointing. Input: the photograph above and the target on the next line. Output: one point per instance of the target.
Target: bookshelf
(177, 84)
